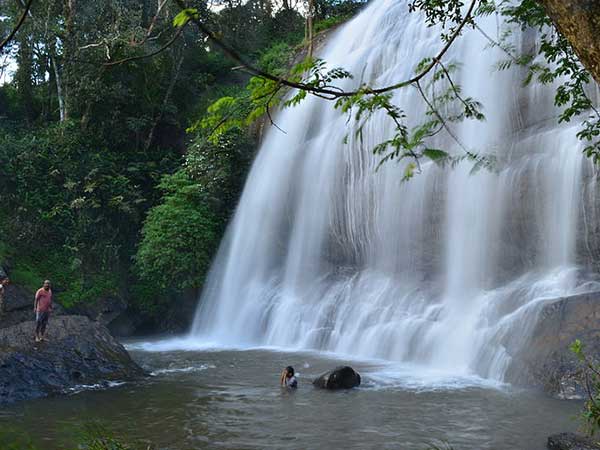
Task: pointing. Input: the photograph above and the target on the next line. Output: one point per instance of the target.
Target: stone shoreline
(78, 352)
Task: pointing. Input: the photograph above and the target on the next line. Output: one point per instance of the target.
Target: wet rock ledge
(546, 361)
(78, 352)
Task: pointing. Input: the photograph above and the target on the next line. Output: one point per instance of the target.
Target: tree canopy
(109, 185)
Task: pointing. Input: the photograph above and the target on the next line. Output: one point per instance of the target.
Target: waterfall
(447, 270)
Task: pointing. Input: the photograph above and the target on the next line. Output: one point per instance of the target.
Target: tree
(179, 236)
(579, 22)
(93, 124)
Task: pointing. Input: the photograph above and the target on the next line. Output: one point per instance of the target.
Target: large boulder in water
(78, 352)
(343, 377)
(570, 441)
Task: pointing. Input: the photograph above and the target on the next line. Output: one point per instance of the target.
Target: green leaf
(409, 171)
(434, 154)
(184, 17)
(577, 348)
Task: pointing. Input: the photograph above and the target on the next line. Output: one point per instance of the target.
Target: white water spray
(445, 270)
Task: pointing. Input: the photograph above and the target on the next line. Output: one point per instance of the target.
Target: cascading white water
(445, 270)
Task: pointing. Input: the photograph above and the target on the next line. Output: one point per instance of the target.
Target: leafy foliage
(590, 378)
(91, 126)
(70, 205)
(558, 66)
(439, 11)
(179, 236)
(185, 16)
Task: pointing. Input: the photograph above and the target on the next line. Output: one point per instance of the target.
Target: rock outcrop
(343, 377)
(103, 310)
(570, 441)
(547, 361)
(78, 352)
(18, 306)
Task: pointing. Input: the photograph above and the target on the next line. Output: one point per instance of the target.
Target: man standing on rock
(42, 307)
(3, 282)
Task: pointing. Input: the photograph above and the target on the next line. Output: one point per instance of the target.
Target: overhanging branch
(11, 35)
(330, 92)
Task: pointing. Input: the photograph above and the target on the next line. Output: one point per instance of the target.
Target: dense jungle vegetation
(125, 134)
(109, 184)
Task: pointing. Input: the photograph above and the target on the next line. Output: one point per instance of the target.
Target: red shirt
(44, 300)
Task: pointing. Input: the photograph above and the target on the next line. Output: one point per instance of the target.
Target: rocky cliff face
(78, 352)
(547, 361)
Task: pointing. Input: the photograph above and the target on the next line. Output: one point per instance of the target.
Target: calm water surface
(229, 399)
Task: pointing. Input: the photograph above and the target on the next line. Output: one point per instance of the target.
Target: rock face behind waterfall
(547, 361)
(343, 377)
(79, 352)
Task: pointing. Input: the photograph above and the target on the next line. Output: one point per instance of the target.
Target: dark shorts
(41, 321)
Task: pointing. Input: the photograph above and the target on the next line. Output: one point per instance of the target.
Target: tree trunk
(579, 22)
(59, 90)
(309, 27)
(69, 54)
(165, 103)
(24, 76)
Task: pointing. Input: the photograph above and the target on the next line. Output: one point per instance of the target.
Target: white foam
(94, 387)
(188, 369)
(174, 344)
(424, 379)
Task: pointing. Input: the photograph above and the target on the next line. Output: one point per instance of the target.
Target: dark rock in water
(78, 352)
(343, 377)
(570, 441)
(546, 361)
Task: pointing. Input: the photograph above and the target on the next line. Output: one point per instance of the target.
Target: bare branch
(440, 118)
(327, 91)
(149, 55)
(452, 85)
(267, 106)
(161, 5)
(17, 26)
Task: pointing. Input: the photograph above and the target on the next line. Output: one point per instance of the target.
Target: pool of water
(230, 399)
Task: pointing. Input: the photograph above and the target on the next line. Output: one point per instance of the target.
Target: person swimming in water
(288, 379)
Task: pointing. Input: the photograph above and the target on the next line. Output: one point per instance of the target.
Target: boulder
(546, 361)
(343, 377)
(103, 310)
(570, 441)
(78, 352)
(18, 306)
